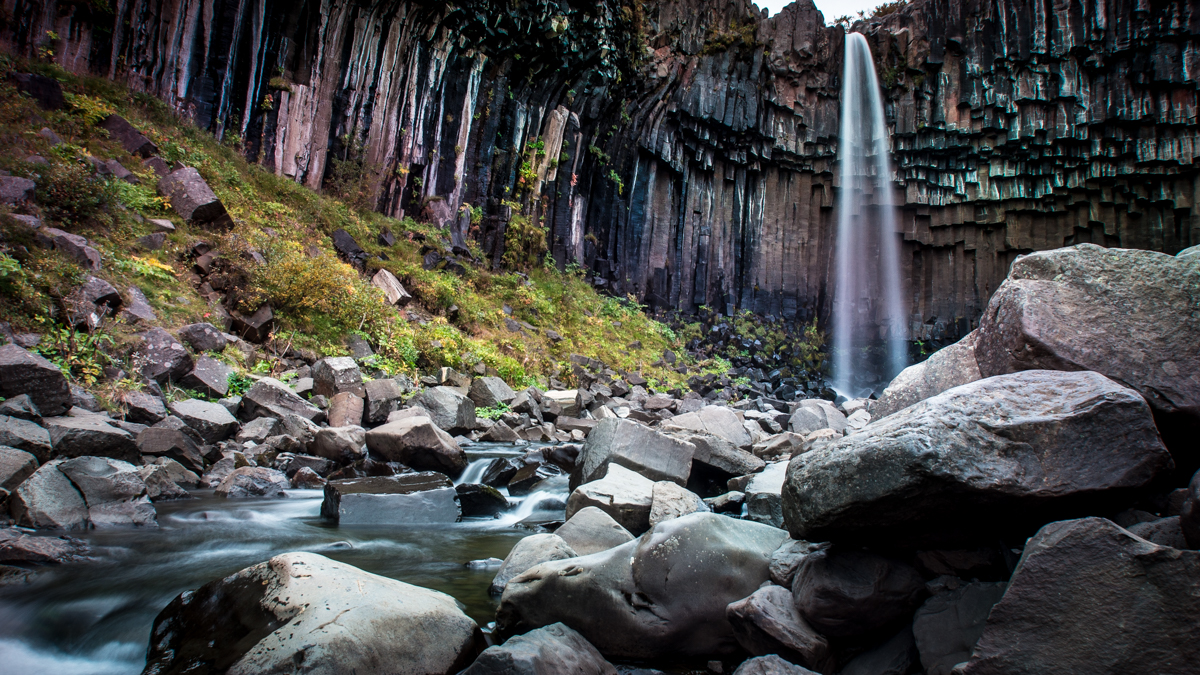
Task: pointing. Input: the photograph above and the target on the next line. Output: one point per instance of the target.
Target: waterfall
(867, 310)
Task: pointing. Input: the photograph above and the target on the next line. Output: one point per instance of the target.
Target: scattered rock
(1164, 532)
(815, 414)
(408, 499)
(24, 435)
(165, 442)
(73, 245)
(716, 420)
(255, 327)
(553, 649)
(528, 552)
(161, 357)
(417, 442)
(845, 593)
(21, 407)
(668, 500)
(48, 499)
(787, 558)
(767, 622)
(131, 139)
(209, 376)
(113, 490)
(272, 398)
(450, 410)
(142, 408)
(45, 90)
(258, 430)
(138, 309)
(91, 436)
(383, 397)
(15, 467)
(339, 444)
(307, 479)
(203, 337)
(634, 446)
(336, 375)
(23, 372)
(211, 420)
(489, 392)
(192, 198)
(392, 289)
(159, 484)
(14, 190)
(590, 530)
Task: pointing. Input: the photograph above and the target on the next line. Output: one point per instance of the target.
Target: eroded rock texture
(683, 149)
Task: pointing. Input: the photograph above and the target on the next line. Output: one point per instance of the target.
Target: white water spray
(867, 306)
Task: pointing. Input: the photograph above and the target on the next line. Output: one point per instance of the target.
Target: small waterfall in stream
(867, 309)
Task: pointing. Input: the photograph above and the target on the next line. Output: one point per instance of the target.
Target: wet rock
(305, 608)
(15, 467)
(163, 442)
(500, 471)
(339, 444)
(767, 622)
(253, 481)
(161, 357)
(770, 665)
(91, 436)
(113, 490)
(590, 530)
(552, 649)
(203, 337)
(668, 500)
(271, 398)
(407, 499)
(48, 499)
(449, 410)
(336, 375)
(528, 477)
(716, 420)
(23, 372)
(211, 420)
(633, 446)
(19, 548)
(1116, 604)
(130, 138)
(896, 656)
(209, 376)
(846, 593)
(417, 442)
(661, 595)
(192, 198)
(995, 455)
(489, 392)
(815, 414)
(947, 368)
(392, 289)
(383, 397)
(254, 327)
(528, 552)
(24, 435)
(949, 624)
(622, 494)
(764, 495)
(143, 408)
(480, 500)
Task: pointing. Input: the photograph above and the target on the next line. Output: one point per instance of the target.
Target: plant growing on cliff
(616, 178)
(79, 354)
(524, 242)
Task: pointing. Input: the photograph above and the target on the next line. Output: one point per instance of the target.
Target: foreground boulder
(553, 649)
(1089, 597)
(1000, 454)
(662, 595)
(947, 368)
(408, 499)
(417, 442)
(532, 550)
(48, 499)
(302, 612)
(113, 490)
(23, 372)
(634, 446)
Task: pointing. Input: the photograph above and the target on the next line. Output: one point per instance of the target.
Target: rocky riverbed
(1023, 502)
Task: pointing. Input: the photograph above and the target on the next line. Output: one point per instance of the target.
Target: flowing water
(94, 617)
(867, 308)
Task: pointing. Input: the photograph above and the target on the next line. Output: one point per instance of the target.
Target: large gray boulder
(339, 444)
(407, 499)
(15, 466)
(714, 452)
(302, 612)
(253, 481)
(91, 435)
(192, 198)
(624, 495)
(532, 550)
(545, 651)
(489, 392)
(716, 420)
(211, 420)
(770, 665)
(662, 595)
(23, 372)
(25, 435)
(156, 442)
(417, 442)
(845, 593)
(668, 500)
(1128, 314)
(333, 376)
(815, 414)
(1089, 597)
(161, 357)
(272, 398)
(636, 447)
(113, 490)
(209, 376)
(203, 337)
(764, 495)
(1000, 454)
(590, 530)
(48, 499)
(945, 369)
(382, 399)
(449, 409)
(949, 624)
(767, 622)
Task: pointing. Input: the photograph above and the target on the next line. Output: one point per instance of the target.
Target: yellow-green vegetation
(455, 319)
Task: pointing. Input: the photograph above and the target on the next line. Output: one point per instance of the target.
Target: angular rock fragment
(19, 548)
(552, 649)
(91, 435)
(14, 190)
(25, 435)
(417, 442)
(130, 138)
(764, 495)
(272, 398)
(770, 665)
(45, 90)
(211, 420)
(716, 420)
(489, 392)
(634, 446)
(209, 376)
(947, 368)
(203, 337)
(138, 309)
(339, 444)
(767, 622)
(255, 327)
(333, 376)
(668, 500)
(192, 198)
(15, 467)
(23, 372)
(143, 408)
(392, 289)
(48, 499)
(480, 500)
(815, 414)
(383, 397)
(450, 410)
(590, 530)
(253, 481)
(624, 495)
(173, 444)
(113, 490)
(161, 357)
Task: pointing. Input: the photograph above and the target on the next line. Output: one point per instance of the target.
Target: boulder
(211, 420)
(787, 558)
(590, 530)
(218, 472)
(896, 656)
(336, 375)
(1164, 532)
(1089, 597)
(21, 407)
(815, 414)
(23, 372)
(192, 198)
(130, 138)
(161, 357)
(14, 190)
(719, 454)
(113, 490)
(662, 595)
(770, 665)
(500, 432)
(25, 435)
(528, 552)
(622, 494)
(272, 398)
(303, 608)
(347, 248)
(143, 408)
(424, 498)
(307, 479)
(203, 337)
(947, 368)
(1189, 514)
(847, 593)
(480, 500)
(566, 400)
(258, 430)
(345, 409)
(1055, 311)
(339, 444)
(15, 466)
(48, 499)
(383, 397)
(156, 442)
(634, 446)
(998, 455)
(767, 622)
(552, 649)
(716, 420)
(764, 495)
(668, 500)
(73, 245)
(489, 392)
(449, 410)
(45, 90)
(159, 484)
(91, 436)
(253, 481)
(949, 624)
(417, 442)
(254, 327)
(209, 376)
(138, 310)
(392, 289)
(18, 548)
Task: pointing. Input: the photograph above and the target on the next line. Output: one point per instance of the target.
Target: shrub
(524, 242)
(70, 192)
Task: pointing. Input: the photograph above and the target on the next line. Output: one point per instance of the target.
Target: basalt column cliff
(682, 150)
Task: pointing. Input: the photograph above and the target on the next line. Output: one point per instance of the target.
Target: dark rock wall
(700, 169)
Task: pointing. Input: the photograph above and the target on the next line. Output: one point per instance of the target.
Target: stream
(94, 617)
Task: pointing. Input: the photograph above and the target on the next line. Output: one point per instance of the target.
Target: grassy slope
(318, 300)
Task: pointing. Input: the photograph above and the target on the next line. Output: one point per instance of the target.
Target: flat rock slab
(716, 420)
(424, 498)
(1000, 454)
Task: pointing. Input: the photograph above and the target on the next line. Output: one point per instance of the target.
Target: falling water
(867, 305)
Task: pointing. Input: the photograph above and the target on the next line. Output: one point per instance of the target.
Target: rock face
(634, 446)
(996, 455)
(305, 608)
(947, 368)
(553, 649)
(1058, 612)
(23, 372)
(661, 595)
